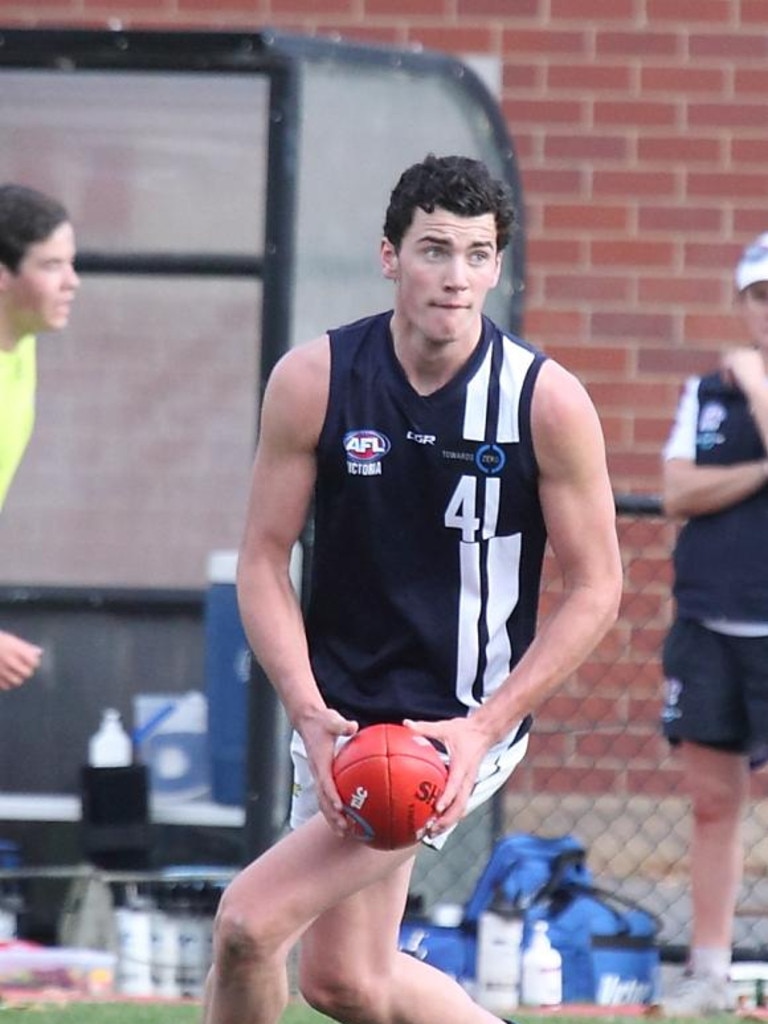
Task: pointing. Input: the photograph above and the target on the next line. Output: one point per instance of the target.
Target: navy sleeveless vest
(429, 535)
(721, 559)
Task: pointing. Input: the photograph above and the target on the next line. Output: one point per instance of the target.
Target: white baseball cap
(753, 265)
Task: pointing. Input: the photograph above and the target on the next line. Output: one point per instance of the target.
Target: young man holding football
(37, 286)
(439, 455)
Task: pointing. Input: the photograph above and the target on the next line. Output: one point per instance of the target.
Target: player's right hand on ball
(320, 731)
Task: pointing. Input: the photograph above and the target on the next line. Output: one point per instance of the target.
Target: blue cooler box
(227, 673)
(451, 950)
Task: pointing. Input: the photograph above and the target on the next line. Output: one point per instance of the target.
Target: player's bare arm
(281, 490)
(579, 511)
(692, 490)
(580, 516)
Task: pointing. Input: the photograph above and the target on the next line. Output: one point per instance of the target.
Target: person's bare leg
(351, 970)
(718, 783)
(269, 905)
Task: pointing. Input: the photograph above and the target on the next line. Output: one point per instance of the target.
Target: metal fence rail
(599, 768)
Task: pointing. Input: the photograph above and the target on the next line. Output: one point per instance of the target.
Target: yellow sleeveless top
(18, 380)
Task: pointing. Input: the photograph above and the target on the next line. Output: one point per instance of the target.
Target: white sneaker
(697, 996)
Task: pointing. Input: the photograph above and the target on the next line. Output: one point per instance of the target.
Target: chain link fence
(599, 768)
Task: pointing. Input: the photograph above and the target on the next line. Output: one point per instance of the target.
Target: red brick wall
(640, 128)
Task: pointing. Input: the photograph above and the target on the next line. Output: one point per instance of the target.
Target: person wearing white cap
(716, 653)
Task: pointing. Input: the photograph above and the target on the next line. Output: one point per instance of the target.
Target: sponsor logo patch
(711, 418)
(364, 450)
(490, 459)
(420, 438)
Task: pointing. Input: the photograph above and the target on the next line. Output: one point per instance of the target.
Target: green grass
(126, 1013)
(154, 1013)
(98, 1013)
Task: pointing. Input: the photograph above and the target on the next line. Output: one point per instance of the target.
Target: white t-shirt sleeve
(681, 443)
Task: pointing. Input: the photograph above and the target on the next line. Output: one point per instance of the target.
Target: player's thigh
(357, 938)
(301, 877)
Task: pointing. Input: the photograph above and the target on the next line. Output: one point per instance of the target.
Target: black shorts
(716, 688)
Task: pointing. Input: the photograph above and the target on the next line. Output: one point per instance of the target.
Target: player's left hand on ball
(466, 746)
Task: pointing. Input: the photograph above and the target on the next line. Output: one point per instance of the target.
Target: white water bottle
(165, 951)
(542, 975)
(499, 936)
(110, 746)
(134, 948)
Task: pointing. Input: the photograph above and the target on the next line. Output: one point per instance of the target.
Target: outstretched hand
(466, 745)
(19, 659)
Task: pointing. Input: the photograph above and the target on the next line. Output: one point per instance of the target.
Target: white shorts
(495, 768)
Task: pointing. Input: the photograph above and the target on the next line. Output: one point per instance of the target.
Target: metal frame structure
(281, 58)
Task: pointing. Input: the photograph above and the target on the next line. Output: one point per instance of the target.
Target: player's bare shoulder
(304, 369)
(564, 420)
(297, 391)
(558, 392)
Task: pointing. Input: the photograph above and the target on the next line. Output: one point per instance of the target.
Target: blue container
(9, 854)
(227, 672)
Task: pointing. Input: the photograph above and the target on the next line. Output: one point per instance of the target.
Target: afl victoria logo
(365, 446)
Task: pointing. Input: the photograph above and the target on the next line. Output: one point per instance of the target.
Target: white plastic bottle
(499, 936)
(542, 974)
(134, 947)
(165, 948)
(110, 746)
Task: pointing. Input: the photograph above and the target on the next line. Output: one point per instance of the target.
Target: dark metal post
(268, 768)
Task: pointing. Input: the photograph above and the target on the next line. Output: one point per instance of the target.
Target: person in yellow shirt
(37, 286)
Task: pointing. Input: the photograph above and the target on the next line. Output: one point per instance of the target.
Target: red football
(389, 779)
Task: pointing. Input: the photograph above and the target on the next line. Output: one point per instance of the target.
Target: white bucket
(134, 951)
(749, 984)
(499, 940)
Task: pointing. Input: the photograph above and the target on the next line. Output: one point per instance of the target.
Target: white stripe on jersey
(513, 370)
(476, 407)
(502, 554)
(503, 560)
(470, 607)
(503, 594)
(492, 505)
(515, 365)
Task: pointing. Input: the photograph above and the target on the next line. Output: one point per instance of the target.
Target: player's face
(443, 271)
(38, 297)
(754, 306)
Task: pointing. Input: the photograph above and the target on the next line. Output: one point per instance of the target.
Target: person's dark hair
(26, 217)
(457, 184)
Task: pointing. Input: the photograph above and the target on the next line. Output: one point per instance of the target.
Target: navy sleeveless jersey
(721, 566)
(429, 536)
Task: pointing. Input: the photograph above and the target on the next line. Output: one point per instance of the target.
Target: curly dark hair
(457, 184)
(26, 217)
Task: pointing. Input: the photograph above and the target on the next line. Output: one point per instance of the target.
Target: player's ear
(499, 259)
(390, 264)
